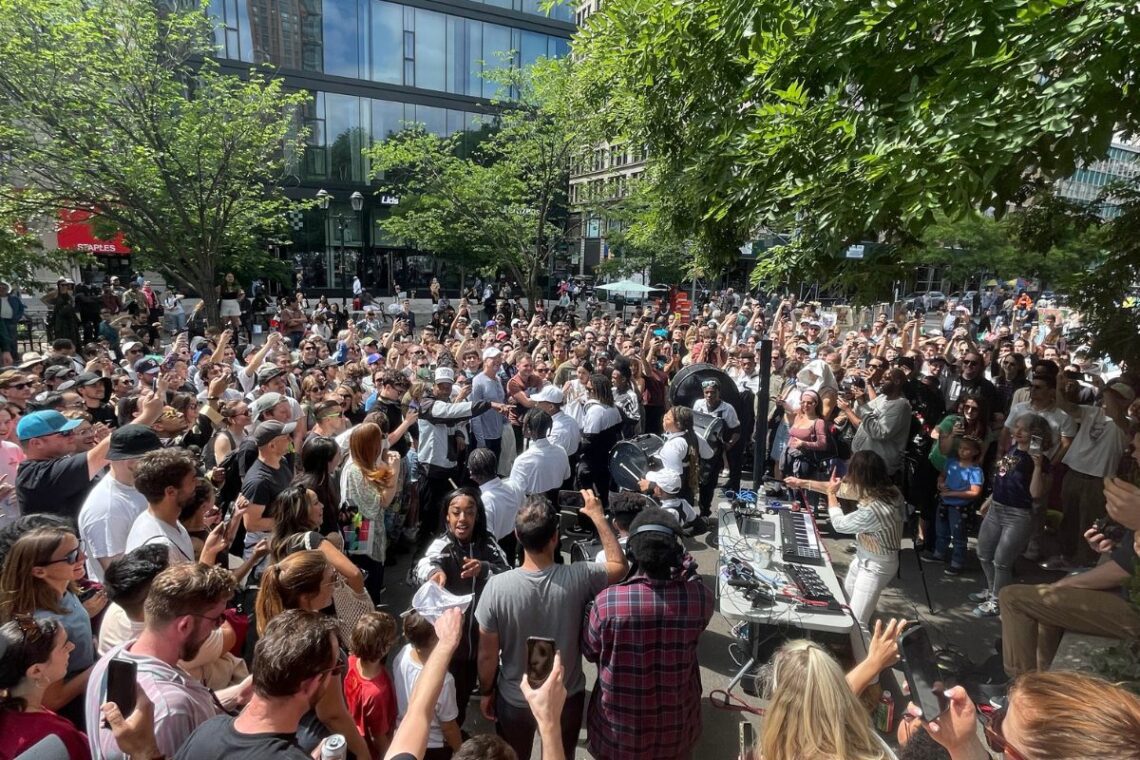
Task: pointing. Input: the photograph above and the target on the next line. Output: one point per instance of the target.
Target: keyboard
(808, 582)
(799, 540)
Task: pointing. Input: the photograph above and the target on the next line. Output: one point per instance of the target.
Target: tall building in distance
(373, 67)
(1122, 164)
(598, 177)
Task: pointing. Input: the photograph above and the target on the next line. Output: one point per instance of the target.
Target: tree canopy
(841, 121)
(114, 107)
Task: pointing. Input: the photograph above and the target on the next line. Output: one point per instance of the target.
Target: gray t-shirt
(520, 603)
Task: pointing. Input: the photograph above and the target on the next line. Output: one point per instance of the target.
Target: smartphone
(922, 672)
(747, 740)
(570, 500)
(1035, 445)
(539, 660)
(121, 684)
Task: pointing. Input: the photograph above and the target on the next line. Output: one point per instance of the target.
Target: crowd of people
(221, 513)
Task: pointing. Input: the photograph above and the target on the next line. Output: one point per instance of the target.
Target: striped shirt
(877, 525)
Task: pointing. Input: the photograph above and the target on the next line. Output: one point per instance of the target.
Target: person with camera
(882, 423)
(642, 634)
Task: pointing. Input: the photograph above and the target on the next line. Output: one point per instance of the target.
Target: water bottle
(885, 712)
(334, 748)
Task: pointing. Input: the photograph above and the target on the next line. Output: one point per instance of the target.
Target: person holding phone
(462, 560)
(1008, 523)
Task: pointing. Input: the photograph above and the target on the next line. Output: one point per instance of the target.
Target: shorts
(229, 308)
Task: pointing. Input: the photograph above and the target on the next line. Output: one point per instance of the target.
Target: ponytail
(284, 584)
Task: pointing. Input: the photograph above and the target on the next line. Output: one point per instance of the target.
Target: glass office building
(374, 67)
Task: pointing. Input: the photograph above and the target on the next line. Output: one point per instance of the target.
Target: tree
(114, 107)
(21, 252)
(502, 205)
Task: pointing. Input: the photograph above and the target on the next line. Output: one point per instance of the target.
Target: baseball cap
(89, 378)
(491, 352)
(264, 403)
(131, 442)
(57, 370)
(48, 422)
(549, 393)
(270, 430)
(369, 341)
(1124, 391)
(444, 375)
(131, 345)
(268, 372)
(667, 480)
(374, 358)
(146, 366)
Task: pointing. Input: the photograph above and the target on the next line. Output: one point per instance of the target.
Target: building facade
(1122, 164)
(374, 67)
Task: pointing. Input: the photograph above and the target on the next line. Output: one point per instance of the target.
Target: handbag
(350, 606)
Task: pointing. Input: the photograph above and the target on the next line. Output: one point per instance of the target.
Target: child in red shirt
(367, 685)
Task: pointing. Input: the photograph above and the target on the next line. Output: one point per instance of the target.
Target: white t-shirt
(405, 672)
(148, 529)
(1098, 445)
(1059, 420)
(105, 521)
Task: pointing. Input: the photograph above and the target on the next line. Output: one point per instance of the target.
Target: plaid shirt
(643, 635)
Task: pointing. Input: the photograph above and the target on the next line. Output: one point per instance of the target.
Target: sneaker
(932, 557)
(986, 609)
(951, 570)
(1058, 563)
(697, 527)
(980, 596)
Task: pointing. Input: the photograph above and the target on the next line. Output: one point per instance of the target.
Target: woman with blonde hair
(305, 580)
(370, 481)
(812, 712)
(38, 579)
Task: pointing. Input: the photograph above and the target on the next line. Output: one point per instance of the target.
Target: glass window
(431, 47)
(341, 38)
(533, 47)
(454, 122)
(315, 154)
(346, 137)
(433, 119)
(474, 84)
(457, 54)
(387, 43)
(387, 119)
(496, 46)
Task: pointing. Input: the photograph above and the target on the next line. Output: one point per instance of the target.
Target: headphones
(678, 549)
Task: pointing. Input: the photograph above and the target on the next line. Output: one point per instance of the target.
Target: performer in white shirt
(543, 467)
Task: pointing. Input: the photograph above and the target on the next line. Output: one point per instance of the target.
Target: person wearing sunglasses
(970, 378)
(39, 579)
(1048, 716)
(16, 387)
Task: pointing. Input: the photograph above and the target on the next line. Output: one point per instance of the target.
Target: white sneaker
(987, 609)
(980, 596)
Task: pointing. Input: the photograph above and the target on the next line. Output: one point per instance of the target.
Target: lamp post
(357, 201)
(324, 198)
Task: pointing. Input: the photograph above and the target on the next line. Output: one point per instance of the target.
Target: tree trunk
(205, 284)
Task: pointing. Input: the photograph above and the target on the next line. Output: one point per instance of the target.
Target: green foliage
(503, 205)
(22, 255)
(112, 107)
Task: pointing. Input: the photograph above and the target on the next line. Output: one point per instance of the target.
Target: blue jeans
(951, 530)
(1004, 534)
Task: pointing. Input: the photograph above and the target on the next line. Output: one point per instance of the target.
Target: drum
(709, 427)
(630, 460)
(685, 388)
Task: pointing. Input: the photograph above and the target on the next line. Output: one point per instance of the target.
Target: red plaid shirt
(643, 636)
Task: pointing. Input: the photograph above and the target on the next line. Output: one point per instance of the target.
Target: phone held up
(1035, 443)
(921, 670)
(539, 660)
(121, 684)
(571, 500)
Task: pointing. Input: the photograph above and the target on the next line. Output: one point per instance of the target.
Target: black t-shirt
(103, 413)
(218, 738)
(55, 486)
(263, 483)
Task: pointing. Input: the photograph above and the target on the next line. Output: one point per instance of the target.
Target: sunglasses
(969, 362)
(29, 628)
(215, 620)
(70, 558)
(994, 736)
(17, 386)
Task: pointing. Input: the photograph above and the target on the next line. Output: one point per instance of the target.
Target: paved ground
(951, 624)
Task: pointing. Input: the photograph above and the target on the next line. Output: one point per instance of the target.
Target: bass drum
(629, 460)
(685, 388)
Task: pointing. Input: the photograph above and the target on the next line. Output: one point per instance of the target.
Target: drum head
(685, 388)
(628, 464)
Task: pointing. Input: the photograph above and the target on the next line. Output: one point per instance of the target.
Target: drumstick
(631, 472)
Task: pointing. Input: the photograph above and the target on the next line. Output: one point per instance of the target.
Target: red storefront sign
(75, 233)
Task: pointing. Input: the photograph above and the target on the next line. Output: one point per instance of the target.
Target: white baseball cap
(444, 375)
(549, 393)
(491, 353)
(668, 481)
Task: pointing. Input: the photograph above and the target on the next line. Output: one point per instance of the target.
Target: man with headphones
(642, 633)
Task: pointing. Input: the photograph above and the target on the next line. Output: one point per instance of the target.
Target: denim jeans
(951, 530)
(1004, 534)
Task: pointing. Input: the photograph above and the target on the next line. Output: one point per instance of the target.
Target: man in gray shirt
(544, 599)
(883, 424)
(486, 386)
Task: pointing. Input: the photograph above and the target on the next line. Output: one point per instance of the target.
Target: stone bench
(1077, 649)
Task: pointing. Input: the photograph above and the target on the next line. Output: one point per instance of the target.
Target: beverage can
(334, 748)
(885, 713)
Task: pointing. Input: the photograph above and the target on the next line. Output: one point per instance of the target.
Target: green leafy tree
(501, 204)
(22, 255)
(114, 107)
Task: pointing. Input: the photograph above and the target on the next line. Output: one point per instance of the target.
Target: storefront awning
(75, 234)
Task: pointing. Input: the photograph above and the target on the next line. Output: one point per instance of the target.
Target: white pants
(866, 579)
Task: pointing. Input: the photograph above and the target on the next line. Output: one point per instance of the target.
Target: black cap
(146, 366)
(131, 442)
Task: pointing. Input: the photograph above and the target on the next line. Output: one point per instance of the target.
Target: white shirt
(541, 468)
(10, 457)
(1098, 445)
(1059, 420)
(105, 521)
(600, 557)
(564, 432)
(724, 410)
(148, 529)
(405, 672)
(501, 500)
(596, 417)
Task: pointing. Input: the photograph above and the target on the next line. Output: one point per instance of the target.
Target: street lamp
(357, 201)
(324, 198)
